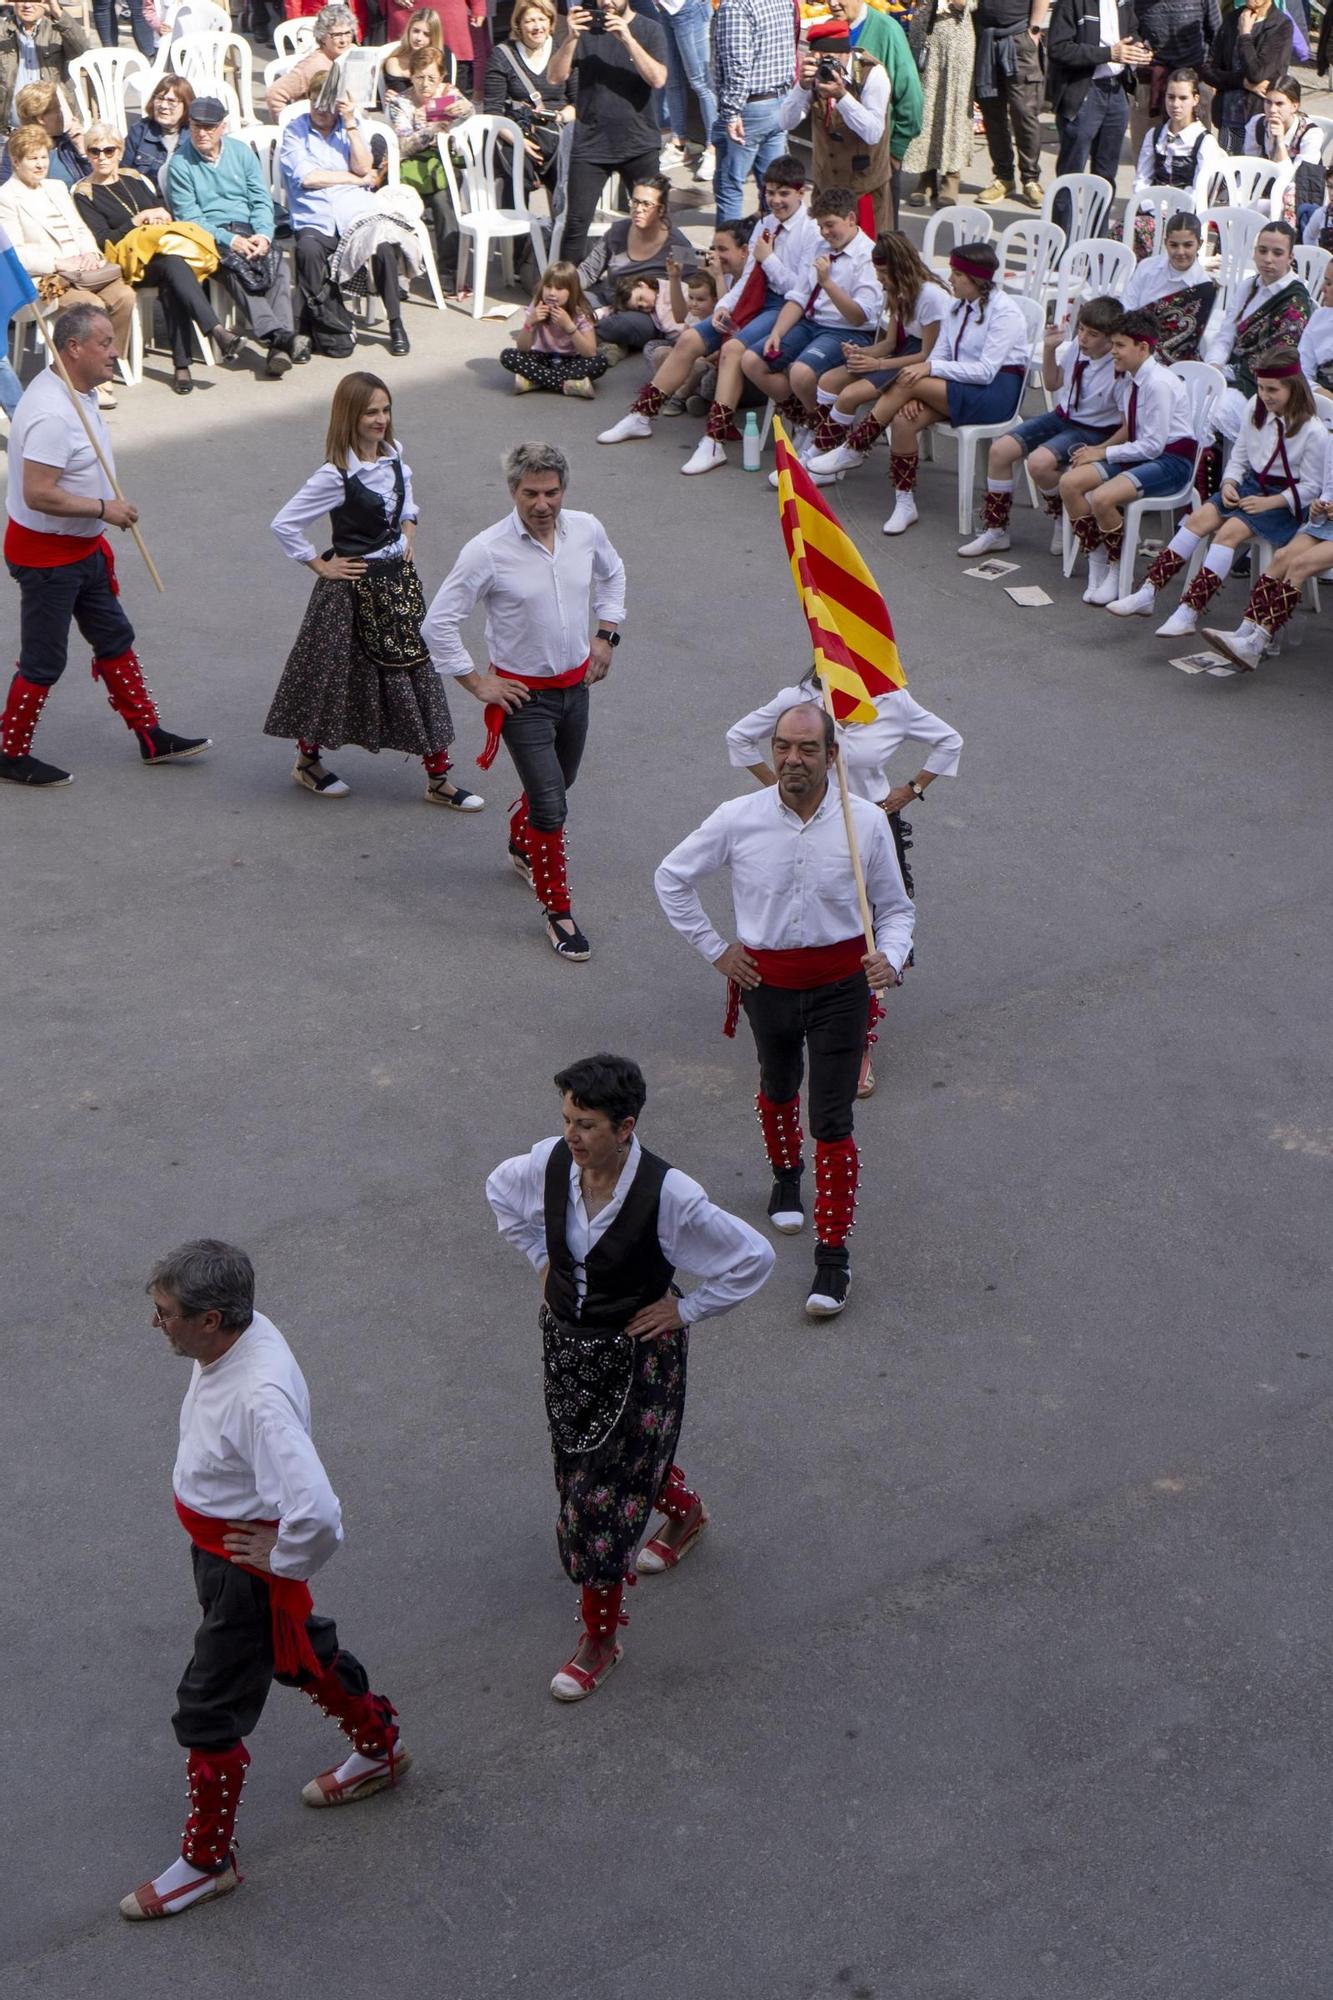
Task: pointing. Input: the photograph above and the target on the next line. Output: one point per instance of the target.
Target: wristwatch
(611, 638)
(920, 790)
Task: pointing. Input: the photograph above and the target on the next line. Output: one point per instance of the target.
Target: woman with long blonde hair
(358, 672)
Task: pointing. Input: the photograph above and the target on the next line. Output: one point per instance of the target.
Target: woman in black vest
(359, 672)
(605, 1224)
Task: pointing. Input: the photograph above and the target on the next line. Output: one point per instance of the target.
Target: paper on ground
(1204, 663)
(1027, 594)
(990, 569)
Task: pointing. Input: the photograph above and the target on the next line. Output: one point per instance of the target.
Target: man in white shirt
(60, 503)
(538, 572)
(606, 1224)
(800, 967)
(256, 1502)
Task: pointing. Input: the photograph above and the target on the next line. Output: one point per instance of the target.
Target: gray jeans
(545, 738)
(269, 312)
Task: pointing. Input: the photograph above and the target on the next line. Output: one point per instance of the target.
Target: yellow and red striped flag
(850, 627)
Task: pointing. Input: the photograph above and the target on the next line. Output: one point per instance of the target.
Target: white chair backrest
(278, 67)
(1236, 230)
(1310, 263)
(263, 142)
(294, 38)
(1098, 266)
(560, 196)
(1034, 312)
(204, 61)
(1158, 205)
(380, 128)
(1323, 406)
(486, 153)
(98, 80)
(1248, 181)
(1090, 198)
(1205, 384)
(1028, 253)
(960, 224)
(1326, 127)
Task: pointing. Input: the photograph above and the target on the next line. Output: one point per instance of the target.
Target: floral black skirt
(331, 692)
(607, 1495)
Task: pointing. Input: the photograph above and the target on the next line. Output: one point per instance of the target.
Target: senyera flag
(855, 650)
(16, 287)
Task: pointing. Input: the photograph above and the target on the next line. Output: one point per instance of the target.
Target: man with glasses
(616, 68)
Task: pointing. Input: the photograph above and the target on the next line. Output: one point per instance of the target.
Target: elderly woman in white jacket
(53, 241)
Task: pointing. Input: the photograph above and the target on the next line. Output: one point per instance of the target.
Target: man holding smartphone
(617, 60)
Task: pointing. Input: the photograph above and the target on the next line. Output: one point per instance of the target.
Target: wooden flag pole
(58, 364)
(867, 921)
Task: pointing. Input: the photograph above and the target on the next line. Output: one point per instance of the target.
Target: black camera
(528, 119)
(828, 71)
(596, 20)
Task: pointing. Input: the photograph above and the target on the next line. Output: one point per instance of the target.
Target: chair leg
(967, 470)
(1128, 549)
(481, 253)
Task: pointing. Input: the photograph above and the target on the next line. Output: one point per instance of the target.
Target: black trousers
(50, 598)
(223, 1689)
(183, 300)
(829, 1022)
(545, 738)
(313, 252)
(632, 330)
(586, 178)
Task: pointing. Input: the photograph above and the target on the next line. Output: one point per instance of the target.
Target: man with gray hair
(261, 1516)
(544, 574)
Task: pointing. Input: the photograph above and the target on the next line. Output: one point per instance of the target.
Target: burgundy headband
(984, 274)
(1277, 371)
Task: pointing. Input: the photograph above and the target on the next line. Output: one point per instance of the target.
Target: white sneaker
(1246, 648)
(1181, 621)
(988, 540)
(707, 456)
(841, 459)
(706, 165)
(1138, 604)
(1106, 593)
(902, 517)
(634, 425)
(1099, 570)
(672, 155)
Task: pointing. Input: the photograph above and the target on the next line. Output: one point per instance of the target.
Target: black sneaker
(32, 771)
(785, 1209)
(159, 746)
(833, 1281)
(279, 361)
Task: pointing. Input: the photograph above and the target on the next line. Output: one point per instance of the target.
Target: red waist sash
(495, 712)
(797, 971)
(290, 1602)
(33, 548)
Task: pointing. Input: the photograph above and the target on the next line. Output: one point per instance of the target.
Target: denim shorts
(756, 331)
(819, 347)
(1060, 437)
(1154, 477)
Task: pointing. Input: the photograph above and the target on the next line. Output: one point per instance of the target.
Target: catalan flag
(850, 627)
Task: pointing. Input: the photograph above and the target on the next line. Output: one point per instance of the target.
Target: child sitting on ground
(556, 347)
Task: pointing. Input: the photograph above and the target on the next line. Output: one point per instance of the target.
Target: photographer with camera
(616, 68)
(846, 95)
(518, 86)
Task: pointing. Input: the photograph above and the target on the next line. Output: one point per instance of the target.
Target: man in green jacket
(38, 41)
(865, 109)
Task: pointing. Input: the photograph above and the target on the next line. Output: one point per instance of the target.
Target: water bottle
(750, 443)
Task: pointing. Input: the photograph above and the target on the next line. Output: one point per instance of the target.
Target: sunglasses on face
(103, 152)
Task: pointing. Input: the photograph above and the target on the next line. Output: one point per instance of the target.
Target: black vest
(625, 1270)
(1174, 169)
(360, 525)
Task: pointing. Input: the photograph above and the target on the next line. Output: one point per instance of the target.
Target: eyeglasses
(651, 202)
(104, 152)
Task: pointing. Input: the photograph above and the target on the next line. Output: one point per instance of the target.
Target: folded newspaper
(356, 75)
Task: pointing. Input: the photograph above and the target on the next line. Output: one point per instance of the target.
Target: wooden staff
(867, 921)
(63, 372)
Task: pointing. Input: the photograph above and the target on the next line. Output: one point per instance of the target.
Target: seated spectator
(1275, 471)
(38, 41)
(126, 214)
(55, 245)
(693, 301)
(518, 86)
(335, 33)
(217, 182)
(152, 139)
(43, 105)
(1278, 592)
(1316, 348)
(1176, 286)
(1270, 311)
(1180, 153)
(460, 26)
(635, 247)
(1281, 134)
(1251, 51)
(1318, 228)
(915, 308)
(329, 174)
(421, 31)
(429, 108)
(556, 347)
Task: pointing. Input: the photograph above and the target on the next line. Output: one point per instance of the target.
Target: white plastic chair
(1309, 263)
(488, 151)
(1029, 252)
(294, 38)
(560, 193)
(203, 61)
(98, 80)
(1097, 266)
(1205, 384)
(959, 224)
(968, 436)
(264, 142)
(1250, 183)
(1236, 230)
(278, 67)
(1326, 127)
(1090, 199)
(379, 128)
(1160, 204)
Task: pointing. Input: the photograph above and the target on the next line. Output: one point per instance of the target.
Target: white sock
(182, 1871)
(826, 398)
(1219, 560)
(1183, 543)
(844, 417)
(1247, 629)
(356, 1766)
(999, 485)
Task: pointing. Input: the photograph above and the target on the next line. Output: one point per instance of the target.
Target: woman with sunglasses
(636, 247)
(152, 139)
(114, 202)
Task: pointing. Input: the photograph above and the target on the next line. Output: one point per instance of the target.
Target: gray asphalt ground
(1001, 1673)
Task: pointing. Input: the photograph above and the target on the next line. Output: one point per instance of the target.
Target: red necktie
(1080, 369)
(962, 328)
(754, 291)
(1132, 422)
(809, 312)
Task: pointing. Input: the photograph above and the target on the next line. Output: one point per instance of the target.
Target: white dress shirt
(795, 244)
(537, 602)
(324, 490)
(853, 271)
(1091, 400)
(1314, 224)
(865, 116)
(1156, 278)
(792, 885)
(973, 347)
(1308, 148)
(1171, 146)
(1109, 29)
(1256, 450)
(865, 747)
(1316, 348)
(1251, 297)
(934, 303)
(695, 1235)
(246, 1454)
(1161, 414)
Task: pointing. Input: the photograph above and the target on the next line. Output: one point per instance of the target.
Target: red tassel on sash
(495, 712)
(290, 1601)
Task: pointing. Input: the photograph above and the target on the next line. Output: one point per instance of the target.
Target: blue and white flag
(16, 287)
